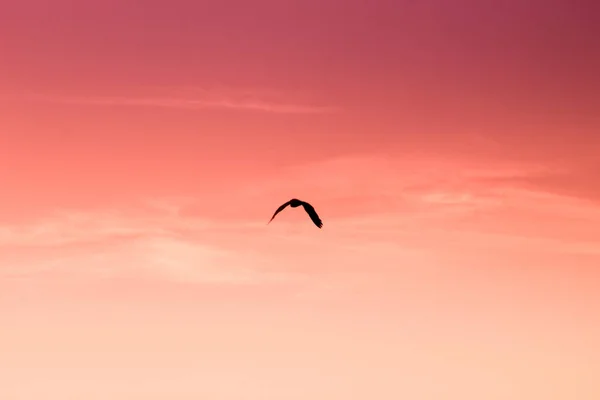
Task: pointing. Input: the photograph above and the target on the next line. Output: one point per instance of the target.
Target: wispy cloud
(201, 101)
(422, 198)
(113, 244)
(581, 183)
(369, 184)
(399, 212)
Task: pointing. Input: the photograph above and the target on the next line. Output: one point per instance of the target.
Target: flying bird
(307, 207)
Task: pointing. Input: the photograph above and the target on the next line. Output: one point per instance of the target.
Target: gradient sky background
(451, 148)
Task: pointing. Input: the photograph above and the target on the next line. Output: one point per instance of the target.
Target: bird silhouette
(307, 207)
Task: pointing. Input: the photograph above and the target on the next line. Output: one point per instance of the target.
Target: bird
(307, 207)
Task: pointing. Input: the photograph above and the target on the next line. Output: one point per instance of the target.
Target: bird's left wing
(281, 207)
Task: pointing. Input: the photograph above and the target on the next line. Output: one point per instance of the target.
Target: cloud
(203, 101)
(412, 200)
(372, 184)
(400, 212)
(581, 183)
(155, 245)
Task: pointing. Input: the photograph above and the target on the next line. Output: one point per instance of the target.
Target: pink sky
(450, 147)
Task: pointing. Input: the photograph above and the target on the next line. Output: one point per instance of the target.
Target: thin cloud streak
(186, 103)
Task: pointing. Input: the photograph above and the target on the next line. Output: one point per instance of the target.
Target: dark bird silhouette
(307, 207)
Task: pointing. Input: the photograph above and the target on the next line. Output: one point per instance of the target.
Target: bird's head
(295, 203)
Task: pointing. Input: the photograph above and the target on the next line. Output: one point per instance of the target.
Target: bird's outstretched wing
(281, 207)
(312, 214)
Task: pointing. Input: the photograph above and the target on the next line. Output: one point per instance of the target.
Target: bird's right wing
(313, 214)
(281, 207)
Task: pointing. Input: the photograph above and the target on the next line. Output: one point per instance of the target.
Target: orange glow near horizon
(451, 149)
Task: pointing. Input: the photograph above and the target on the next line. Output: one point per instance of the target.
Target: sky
(450, 148)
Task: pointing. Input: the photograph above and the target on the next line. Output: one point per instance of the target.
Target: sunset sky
(452, 149)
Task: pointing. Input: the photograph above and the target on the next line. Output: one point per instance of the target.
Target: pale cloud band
(169, 241)
(210, 101)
